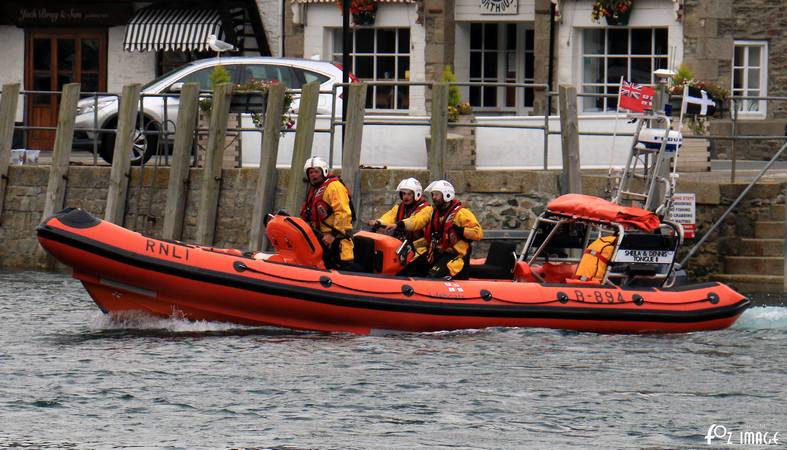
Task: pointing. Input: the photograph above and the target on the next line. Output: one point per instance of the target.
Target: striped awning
(153, 29)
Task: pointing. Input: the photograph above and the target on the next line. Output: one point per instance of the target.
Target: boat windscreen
(570, 235)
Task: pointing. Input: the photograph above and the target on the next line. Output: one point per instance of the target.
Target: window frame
(282, 68)
(762, 105)
(234, 70)
(519, 52)
(372, 90)
(609, 104)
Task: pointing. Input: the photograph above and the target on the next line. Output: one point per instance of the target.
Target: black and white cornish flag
(697, 102)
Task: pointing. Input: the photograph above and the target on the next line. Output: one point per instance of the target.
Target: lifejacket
(441, 233)
(595, 260)
(404, 212)
(314, 209)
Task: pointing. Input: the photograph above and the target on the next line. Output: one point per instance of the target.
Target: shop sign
(58, 14)
(499, 6)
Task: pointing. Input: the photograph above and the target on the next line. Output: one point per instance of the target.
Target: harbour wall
(502, 200)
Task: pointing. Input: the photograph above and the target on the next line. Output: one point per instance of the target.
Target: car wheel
(145, 143)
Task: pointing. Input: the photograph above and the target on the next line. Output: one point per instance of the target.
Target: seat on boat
(499, 262)
(364, 254)
(377, 252)
(556, 272)
(523, 273)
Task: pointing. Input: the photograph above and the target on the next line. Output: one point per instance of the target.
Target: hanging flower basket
(615, 12)
(248, 102)
(620, 19)
(363, 11)
(252, 98)
(364, 18)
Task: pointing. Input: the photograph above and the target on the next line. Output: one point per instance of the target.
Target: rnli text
(164, 249)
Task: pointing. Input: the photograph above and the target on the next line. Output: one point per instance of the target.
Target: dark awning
(153, 29)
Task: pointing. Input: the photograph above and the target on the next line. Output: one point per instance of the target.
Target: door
(54, 58)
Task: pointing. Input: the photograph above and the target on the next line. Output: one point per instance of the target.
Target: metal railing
(163, 131)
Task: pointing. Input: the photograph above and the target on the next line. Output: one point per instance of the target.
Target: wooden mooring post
(266, 177)
(211, 173)
(121, 160)
(569, 134)
(177, 188)
(438, 131)
(302, 149)
(61, 154)
(353, 137)
(8, 103)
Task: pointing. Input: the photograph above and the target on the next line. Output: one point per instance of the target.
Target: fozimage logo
(719, 434)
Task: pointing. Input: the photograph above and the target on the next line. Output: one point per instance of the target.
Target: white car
(101, 113)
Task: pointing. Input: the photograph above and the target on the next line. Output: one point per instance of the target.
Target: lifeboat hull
(125, 271)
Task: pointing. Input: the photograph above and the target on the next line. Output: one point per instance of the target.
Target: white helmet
(443, 187)
(411, 184)
(316, 162)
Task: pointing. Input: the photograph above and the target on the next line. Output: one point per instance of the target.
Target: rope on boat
(324, 280)
(636, 299)
(593, 302)
(484, 294)
(240, 266)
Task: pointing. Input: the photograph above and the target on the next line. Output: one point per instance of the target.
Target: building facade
(739, 46)
(105, 44)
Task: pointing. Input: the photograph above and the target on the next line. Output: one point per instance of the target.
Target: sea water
(73, 377)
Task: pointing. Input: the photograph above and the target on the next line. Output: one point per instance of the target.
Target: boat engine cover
(294, 241)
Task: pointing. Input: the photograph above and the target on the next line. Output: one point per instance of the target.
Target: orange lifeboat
(123, 270)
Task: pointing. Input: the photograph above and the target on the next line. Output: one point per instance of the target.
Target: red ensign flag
(635, 97)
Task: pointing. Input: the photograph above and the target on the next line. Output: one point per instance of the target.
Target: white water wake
(756, 318)
(141, 321)
(763, 318)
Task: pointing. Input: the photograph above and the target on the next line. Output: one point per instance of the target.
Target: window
(750, 75)
(269, 72)
(500, 53)
(202, 76)
(611, 53)
(379, 54)
(308, 76)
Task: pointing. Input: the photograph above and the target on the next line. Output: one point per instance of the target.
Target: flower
(610, 8)
(685, 77)
(358, 6)
(255, 85)
(464, 108)
(453, 114)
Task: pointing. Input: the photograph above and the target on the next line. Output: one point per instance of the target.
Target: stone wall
(293, 33)
(507, 200)
(726, 241)
(710, 30)
(438, 21)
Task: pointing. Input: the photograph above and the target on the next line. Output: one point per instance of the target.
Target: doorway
(56, 57)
